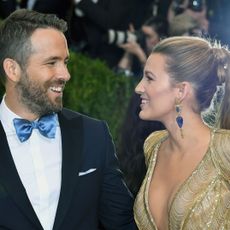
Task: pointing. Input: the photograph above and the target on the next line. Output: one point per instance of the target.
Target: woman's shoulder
(222, 138)
(222, 132)
(221, 151)
(151, 141)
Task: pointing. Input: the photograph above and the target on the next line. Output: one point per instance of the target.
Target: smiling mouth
(58, 86)
(57, 89)
(144, 101)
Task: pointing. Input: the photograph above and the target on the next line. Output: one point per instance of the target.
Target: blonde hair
(204, 64)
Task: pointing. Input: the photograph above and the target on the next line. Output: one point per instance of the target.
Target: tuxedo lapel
(10, 180)
(72, 142)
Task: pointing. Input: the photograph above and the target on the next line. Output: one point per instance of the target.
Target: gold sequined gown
(203, 200)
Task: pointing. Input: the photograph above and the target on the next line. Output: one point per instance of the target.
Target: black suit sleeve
(108, 14)
(7, 7)
(58, 7)
(116, 202)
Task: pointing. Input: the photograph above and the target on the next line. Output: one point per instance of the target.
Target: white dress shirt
(78, 11)
(38, 162)
(30, 4)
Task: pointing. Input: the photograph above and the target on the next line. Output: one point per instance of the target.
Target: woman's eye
(149, 78)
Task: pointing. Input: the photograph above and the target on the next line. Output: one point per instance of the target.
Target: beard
(34, 96)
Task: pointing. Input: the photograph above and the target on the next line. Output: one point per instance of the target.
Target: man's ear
(12, 69)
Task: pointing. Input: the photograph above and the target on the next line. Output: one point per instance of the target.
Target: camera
(194, 5)
(177, 6)
(141, 38)
(118, 37)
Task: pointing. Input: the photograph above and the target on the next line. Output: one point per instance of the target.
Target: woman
(187, 184)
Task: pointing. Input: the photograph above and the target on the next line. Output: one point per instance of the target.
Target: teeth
(143, 101)
(56, 89)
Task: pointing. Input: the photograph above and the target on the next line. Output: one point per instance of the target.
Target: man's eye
(51, 63)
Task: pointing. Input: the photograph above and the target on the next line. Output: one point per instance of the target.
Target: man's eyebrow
(55, 58)
(52, 58)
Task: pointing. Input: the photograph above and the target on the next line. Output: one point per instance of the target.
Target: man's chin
(50, 110)
(57, 109)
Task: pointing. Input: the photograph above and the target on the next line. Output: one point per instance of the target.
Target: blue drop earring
(179, 118)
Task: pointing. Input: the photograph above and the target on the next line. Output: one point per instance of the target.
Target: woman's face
(156, 90)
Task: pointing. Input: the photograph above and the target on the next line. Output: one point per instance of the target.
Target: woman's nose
(139, 88)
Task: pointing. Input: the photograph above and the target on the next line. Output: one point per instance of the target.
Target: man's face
(40, 88)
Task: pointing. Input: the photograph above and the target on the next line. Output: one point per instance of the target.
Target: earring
(179, 118)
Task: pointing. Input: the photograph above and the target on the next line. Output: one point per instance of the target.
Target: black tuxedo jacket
(92, 190)
(58, 7)
(7, 7)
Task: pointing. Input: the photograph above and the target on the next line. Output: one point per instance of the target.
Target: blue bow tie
(46, 126)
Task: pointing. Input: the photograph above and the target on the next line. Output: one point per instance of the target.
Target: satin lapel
(9, 178)
(72, 142)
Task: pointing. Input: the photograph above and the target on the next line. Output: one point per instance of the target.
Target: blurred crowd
(122, 32)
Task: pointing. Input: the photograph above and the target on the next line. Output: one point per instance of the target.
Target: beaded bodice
(203, 200)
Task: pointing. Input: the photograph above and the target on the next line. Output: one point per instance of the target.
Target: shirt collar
(7, 116)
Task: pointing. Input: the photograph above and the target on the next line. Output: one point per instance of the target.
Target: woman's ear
(12, 69)
(183, 90)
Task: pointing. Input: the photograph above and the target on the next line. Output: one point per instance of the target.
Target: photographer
(137, 50)
(97, 26)
(196, 9)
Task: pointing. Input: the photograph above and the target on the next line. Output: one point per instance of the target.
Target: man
(58, 169)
